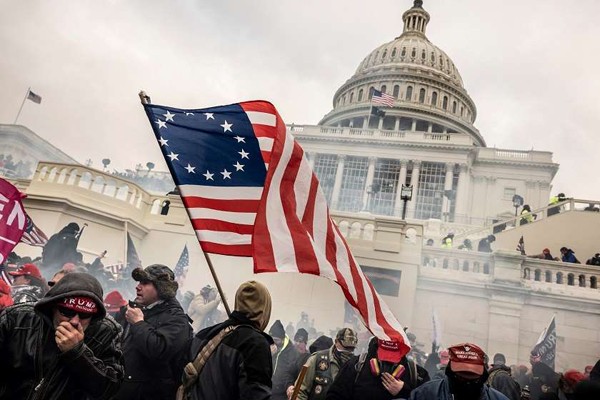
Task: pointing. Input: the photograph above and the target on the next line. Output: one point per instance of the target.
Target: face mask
(342, 356)
(464, 389)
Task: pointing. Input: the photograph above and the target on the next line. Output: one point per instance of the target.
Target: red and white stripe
(383, 100)
(293, 232)
(223, 217)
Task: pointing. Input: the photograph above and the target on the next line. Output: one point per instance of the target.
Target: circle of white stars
(208, 175)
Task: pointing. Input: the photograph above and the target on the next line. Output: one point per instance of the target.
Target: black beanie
(301, 336)
(277, 330)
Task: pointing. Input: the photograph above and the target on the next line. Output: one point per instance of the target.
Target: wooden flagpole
(145, 99)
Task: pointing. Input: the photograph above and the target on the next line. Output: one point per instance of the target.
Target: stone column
(337, 186)
(413, 127)
(462, 195)
(414, 181)
(397, 124)
(380, 123)
(447, 186)
(366, 123)
(398, 203)
(369, 182)
(311, 160)
(429, 127)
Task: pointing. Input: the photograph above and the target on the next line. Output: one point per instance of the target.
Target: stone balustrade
(560, 273)
(308, 131)
(457, 260)
(70, 179)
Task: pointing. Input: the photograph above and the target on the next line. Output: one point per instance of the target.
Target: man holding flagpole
(250, 191)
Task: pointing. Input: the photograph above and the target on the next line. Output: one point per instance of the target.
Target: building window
(383, 89)
(371, 90)
(325, 170)
(423, 54)
(360, 95)
(343, 99)
(385, 281)
(353, 184)
(434, 99)
(396, 91)
(432, 57)
(384, 187)
(409, 93)
(351, 97)
(405, 124)
(422, 126)
(445, 103)
(384, 54)
(394, 53)
(430, 191)
(403, 52)
(509, 193)
(422, 96)
(454, 107)
(414, 53)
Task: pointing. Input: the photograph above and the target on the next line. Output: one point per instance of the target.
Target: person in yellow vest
(555, 200)
(447, 241)
(526, 216)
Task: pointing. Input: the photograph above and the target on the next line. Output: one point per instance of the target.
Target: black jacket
(285, 363)
(32, 366)
(154, 351)
(239, 368)
(348, 386)
(501, 380)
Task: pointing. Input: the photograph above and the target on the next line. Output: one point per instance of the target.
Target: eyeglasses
(68, 313)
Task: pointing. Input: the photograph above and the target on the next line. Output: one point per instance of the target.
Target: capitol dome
(428, 91)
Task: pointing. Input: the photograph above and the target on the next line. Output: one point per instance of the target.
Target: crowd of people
(68, 331)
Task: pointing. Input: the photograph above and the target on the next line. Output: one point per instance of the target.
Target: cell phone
(133, 304)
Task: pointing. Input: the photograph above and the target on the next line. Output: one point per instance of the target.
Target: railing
(487, 153)
(559, 273)
(355, 227)
(306, 131)
(457, 260)
(535, 274)
(540, 214)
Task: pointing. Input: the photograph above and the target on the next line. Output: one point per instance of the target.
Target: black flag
(546, 345)
(377, 112)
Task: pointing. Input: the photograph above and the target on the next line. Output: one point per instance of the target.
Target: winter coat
(308, 384)
(60, 249)
(439, 390)
(284, 368)
(239, 367)
(26, 293)
(569, 257)
(349, 386)
(154, 351)
(32, 365)
(501, 380)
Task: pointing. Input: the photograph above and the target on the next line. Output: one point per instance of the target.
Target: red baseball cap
(388, 351)
(27, 269)
(467, 357)
(114, 301)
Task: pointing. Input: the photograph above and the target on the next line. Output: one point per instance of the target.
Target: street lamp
(405, 196)
(517, 202)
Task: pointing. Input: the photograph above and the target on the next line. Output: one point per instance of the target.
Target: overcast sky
(530, 66)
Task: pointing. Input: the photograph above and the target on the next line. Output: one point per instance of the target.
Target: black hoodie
(32, 365)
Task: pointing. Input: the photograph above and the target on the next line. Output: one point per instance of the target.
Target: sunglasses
(68, 313)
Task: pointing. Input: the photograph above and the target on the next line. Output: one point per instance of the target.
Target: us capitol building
(426, 142)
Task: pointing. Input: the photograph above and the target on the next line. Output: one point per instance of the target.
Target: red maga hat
(27, 270)
(388, 351)
(114, 301)
(467, 357)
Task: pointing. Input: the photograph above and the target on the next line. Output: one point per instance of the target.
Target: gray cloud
(529, 66)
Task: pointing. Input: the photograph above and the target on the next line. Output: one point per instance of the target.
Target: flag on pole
(521, 246)
(36, 98)
(133, 260)
(382, 99)
(33, 235)
(12, 218)
(182, 265)
(436, 334)
(249, 191)
(545, 347)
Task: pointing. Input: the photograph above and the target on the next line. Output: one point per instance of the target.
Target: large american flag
(250, 191)
(382, 99)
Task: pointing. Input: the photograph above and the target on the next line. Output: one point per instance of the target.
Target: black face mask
(465, 389)
(341, 356)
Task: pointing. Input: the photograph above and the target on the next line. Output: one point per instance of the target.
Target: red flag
(280, 215)
(12, 218)
(33, 235)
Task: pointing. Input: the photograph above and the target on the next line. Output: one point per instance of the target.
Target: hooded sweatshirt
(240, 366)
(92, 369)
